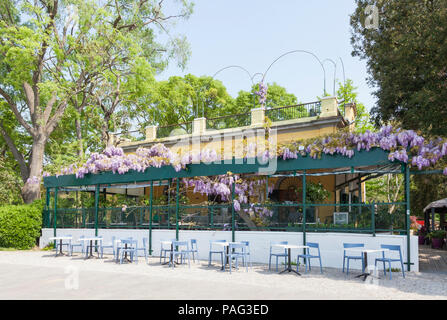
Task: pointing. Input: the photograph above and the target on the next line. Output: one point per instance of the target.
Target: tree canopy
(57, 54)
(406, 58)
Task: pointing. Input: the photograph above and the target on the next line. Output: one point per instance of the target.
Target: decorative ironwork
(304, 110)
(229, 121)
(174, 129)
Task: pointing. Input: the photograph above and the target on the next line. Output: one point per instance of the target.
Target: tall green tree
(277, 96)
(181, 99)
(55, 53)
(407, 61)
(348, 93)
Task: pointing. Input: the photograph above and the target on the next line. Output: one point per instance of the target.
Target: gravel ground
(40, 275)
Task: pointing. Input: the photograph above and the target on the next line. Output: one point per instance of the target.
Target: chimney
(350, 114)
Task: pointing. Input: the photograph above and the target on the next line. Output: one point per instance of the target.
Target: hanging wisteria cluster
(262, 93)
(222, 185)
(403, 145)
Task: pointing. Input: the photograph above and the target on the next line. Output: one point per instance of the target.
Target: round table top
(290, 246)
(90, 239)
(61, 238)
(366, 250)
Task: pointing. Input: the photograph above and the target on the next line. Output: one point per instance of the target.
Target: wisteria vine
(221, 185)
(403, 145)
(262, 93)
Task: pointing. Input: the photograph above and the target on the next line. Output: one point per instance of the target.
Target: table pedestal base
(87, 255)
(289, 270)
(289, 265)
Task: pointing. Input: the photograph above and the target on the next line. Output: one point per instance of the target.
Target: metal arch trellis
(335, 71)
(251, 77)
(300, 51)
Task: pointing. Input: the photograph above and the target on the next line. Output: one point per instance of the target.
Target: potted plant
(437, 238)
(422, 235)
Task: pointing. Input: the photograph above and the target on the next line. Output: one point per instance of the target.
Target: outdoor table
(169, 242)
(227, 246)
(60, 238)
(289, 248)
(365, 258)
(91, 245)
(125, 247)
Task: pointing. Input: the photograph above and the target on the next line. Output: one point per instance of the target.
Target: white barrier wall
(331, 244)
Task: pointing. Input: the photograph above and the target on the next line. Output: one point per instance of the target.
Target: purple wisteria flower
(262, 93)
(403, 145)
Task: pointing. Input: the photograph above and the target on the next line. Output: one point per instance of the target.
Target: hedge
(20, 225)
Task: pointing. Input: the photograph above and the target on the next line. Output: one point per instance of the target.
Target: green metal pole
(83, 217)
(373, 218)
(407, 205)
(150, 218)
(47, 209)
(96, 209)
(267, 188)
(304, 211)
(177, 209)
(55, 211)
(169, 202)
(233, 236)
(360, 198)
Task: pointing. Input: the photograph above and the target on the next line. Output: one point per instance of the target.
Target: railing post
(329, 107)
(198, 126)
(266, 188)
(141, 216)
(304, 212)
(169, 203)
(150, 217)
(177, 209)
(47, 209)
(257, 116)
(151, 133)
(233, 237)
(96, 209)
(360, 199)
(55, 212)
(407, 211)
(373, 221)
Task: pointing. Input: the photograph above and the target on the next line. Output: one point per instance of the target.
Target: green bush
(20, 225)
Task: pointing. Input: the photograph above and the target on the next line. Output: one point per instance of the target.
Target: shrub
(437, 234)
(20, 225)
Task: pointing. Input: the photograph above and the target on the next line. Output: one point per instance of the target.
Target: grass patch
(48, 247)
(8, 249)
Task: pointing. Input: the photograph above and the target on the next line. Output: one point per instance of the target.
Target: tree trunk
(244, 216)
(79, 137)
(31, 189)
(106, 137)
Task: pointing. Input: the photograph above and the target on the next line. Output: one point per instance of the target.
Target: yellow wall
(235, 142)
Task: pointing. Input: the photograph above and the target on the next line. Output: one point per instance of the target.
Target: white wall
(331, 244)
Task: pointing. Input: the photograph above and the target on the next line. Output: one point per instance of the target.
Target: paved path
(39, 275)
(432, 260)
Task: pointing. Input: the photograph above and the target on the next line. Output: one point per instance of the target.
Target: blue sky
(253, 34)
